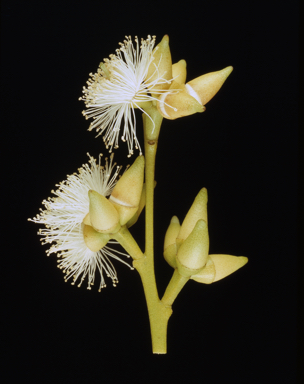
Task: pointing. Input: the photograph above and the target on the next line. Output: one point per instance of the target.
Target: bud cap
(227, 264)
(102, 214)
(93, 239)
(179, 72)
(193, 253)
(204, 87)
(197, 211)
(161, 66)
(127, 192)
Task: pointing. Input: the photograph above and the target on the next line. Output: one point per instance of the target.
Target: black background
(243, 149)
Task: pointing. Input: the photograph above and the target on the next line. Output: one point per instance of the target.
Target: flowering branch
(93, 208)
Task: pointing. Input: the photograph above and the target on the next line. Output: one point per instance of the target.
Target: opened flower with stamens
(81, 249)
(128, 80)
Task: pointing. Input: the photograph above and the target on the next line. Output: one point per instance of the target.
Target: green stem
(151, 133)
(158, 313)
(173, 289)
(126, 240)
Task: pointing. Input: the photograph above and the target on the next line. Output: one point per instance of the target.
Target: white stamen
(162, 103)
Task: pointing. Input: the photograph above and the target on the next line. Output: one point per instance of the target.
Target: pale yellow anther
(206, 86)
(161, 66)
(197, 211)
(179, 103)
(93, 239)
(127, 193)
(193, 253)
(179, 71)
(227, 264)
(104, 217)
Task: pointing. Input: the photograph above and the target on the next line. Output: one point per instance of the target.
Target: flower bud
(127, 192)
(102, 215)
(227, 264)
(93, 239)
(161, 66)
(193, 253)
(141, 206)
(197, 211)
(207, 274)
(179, 72)
(203, 88)
(173, 105)
(170, 247)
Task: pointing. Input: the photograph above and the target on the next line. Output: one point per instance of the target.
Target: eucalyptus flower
(129, 79)
(80, 248)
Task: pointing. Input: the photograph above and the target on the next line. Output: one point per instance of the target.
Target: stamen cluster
(121, 84)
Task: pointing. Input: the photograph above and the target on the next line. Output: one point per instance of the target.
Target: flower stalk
(126, 240)
(174, 287)
(158, 313)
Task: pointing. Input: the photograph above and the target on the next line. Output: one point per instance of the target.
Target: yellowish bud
(207, 274)
(170, 247)
(179, 72)
(87, 220)
(227, 264)
(127, 192)
(141, 206)
(170, 255)
(203, 88)
(197, 211)
(93, 239)
(179, 103)
(161, 66)
(172, 232)
(193, 253)
(102, 214)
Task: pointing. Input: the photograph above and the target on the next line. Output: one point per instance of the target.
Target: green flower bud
(193, 253)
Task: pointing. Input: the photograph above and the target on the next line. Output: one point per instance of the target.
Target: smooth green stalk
(176, 284)
(151, 133)
(126, 240)
(159, 311)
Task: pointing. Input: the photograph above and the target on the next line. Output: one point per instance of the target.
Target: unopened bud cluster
(186, 247)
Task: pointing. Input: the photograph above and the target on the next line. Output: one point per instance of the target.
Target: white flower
(121, 84)
(63, 218)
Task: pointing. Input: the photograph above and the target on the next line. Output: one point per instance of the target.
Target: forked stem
(159, 313)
